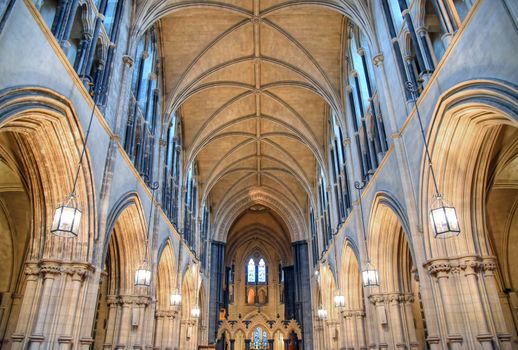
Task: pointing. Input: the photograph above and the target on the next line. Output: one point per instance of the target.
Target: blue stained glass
(251, 271)
(257, 337)
(265, 340)
(262, 272)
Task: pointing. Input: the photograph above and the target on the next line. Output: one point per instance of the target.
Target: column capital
(378, 59)
(127, 60)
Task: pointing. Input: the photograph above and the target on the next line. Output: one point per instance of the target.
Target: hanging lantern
(176, 299)
(322, 312)
(195, 312)
(370, 276)
(339, 300)
(143, 277)
(443, 218)
(67, 218)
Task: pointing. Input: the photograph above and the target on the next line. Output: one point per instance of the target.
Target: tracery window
(366, 118)
(81, 42)
(323, 211)
(171, 179)
(256, 272)
(260, 340)
(314, 238)
(251, 271)
(261, 272)
(190, 208)
(143, 112)
(339, 171)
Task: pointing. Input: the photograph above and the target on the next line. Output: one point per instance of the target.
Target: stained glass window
(251, 271)
(262, 272)
(265, 340)
(257, 337)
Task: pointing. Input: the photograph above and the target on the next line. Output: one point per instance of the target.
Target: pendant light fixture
(370, 275)
(67, 216)
(143, 273)
(443, 216)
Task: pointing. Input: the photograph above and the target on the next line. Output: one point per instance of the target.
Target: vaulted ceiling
(254, 83)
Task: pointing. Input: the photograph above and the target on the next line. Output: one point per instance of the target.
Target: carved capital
(489, 266)
(377, 299)
(378, 59)
(439, 269)
(50, 269)
(31, 270)
(112, 300)
(127, 60)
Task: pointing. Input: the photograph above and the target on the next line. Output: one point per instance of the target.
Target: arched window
(366, 118)
(143, 112)
(260, 340)
(314, 238)
(204, 233)
(256, 273)
(251, 271)
(110, 12)
(171, 179)
(338, 170)
(323, 210)
(261, 272)
(190, 208)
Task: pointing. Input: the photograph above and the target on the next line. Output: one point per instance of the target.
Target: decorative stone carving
(128, 60)
(378, 59)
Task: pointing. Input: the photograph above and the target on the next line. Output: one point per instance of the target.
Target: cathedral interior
(259, 174)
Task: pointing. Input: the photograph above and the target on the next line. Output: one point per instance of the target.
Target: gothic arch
(390, 250)
(43, 126)
(350, 277)
(166, 275)
(469, 116)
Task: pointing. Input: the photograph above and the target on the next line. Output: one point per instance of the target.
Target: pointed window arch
(251, 271)
(261, 271)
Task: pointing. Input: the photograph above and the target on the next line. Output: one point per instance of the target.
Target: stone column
(408, 300)
(360, 330)
(396, 323)
(68, 22)
(124, 332)
(29, 297)
(113, 308)
(71, 305)
(159, 330)
(379, 319)
(50, 272)
(440, 270)
(469, 268)
(488, 267)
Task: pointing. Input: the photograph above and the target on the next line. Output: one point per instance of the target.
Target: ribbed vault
(254, 83)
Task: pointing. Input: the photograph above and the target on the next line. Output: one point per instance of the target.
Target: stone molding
(465, 265)
(391, 298)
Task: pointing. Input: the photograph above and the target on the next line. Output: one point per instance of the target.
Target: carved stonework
(127, 60)
(378, 59)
